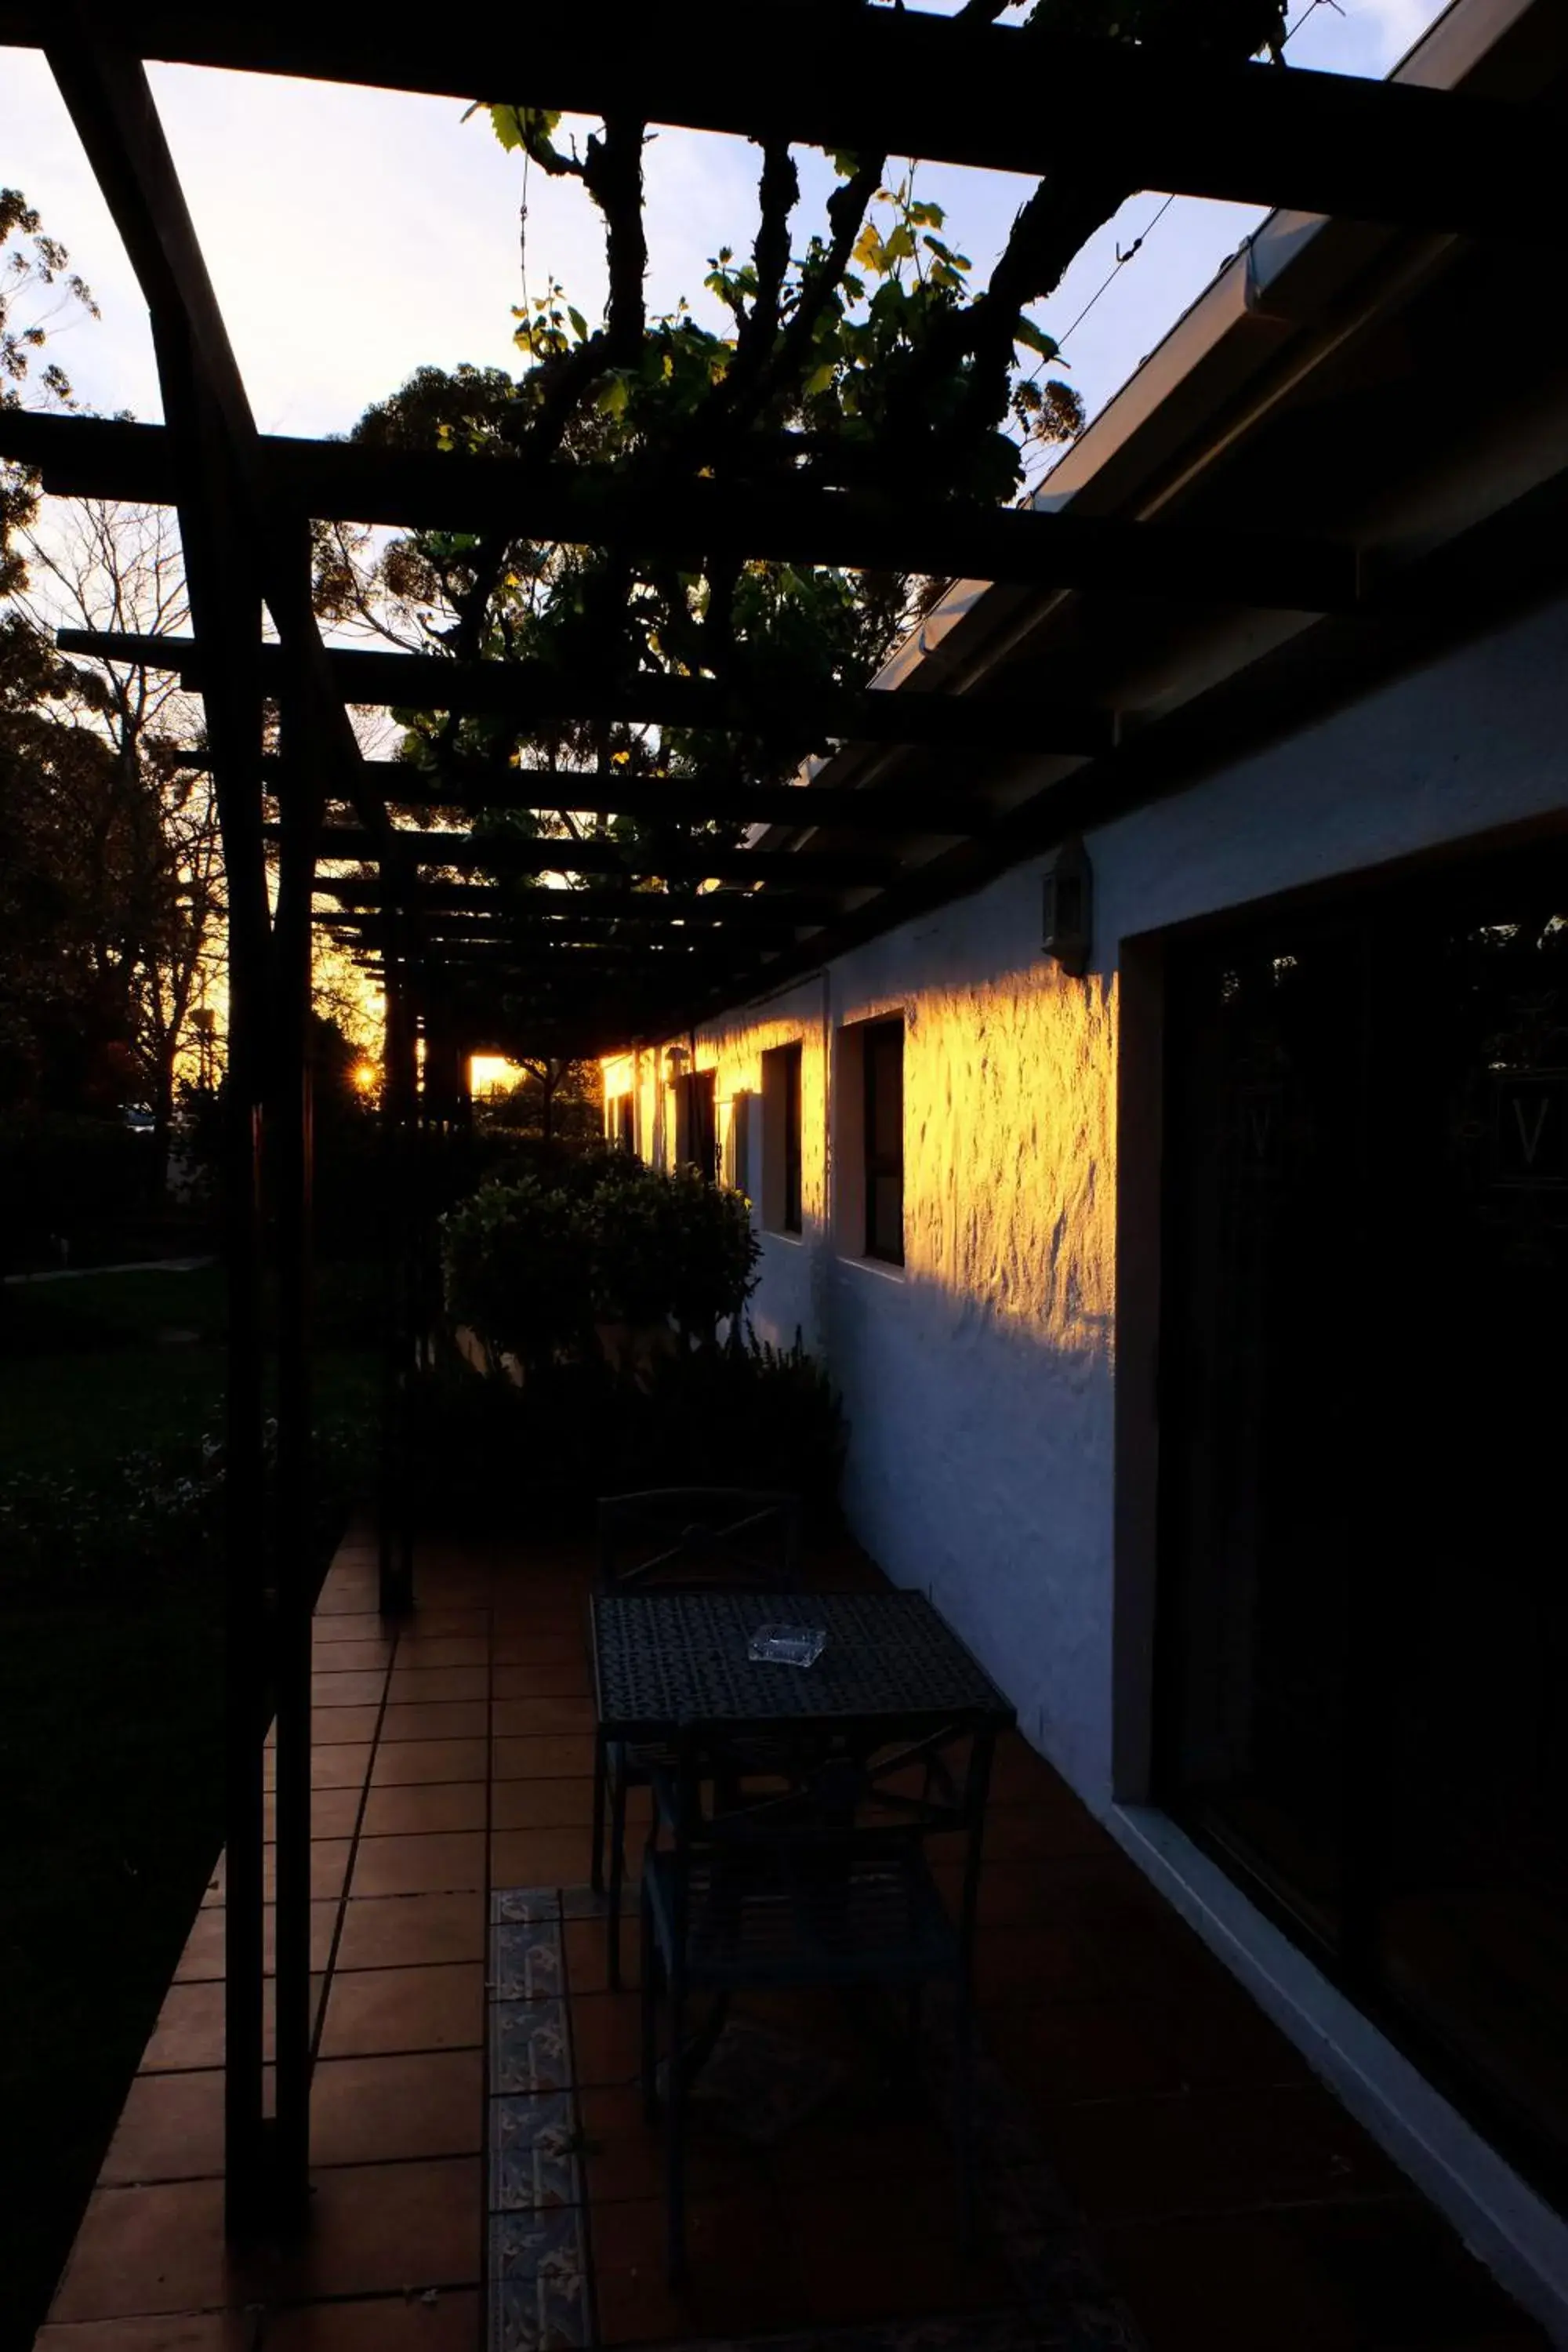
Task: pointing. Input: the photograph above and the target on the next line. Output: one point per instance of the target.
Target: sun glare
(491, 1074)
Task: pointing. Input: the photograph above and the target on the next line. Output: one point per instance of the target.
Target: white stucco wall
(980, 1381)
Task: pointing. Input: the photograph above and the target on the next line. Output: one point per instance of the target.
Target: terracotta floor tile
(404, 1762)
(438, 1864)
(539, 1858)
(542, 1804)
(340, 1726)
(425, 1685)
(190, 2331)
(718, 2301)
(1073, 2050)
(901, 2279)
(340, 1765)
(370, 1654)
(327, 1632)
(365, 2110)
(624, 2155)
(408, 1930)
(533, 1648)
(329, 1868)
(333, 1812)
(605, 2040)
(147, 2250)
(429, 1650)
(523, 1719)
(543, 1678)
(413, 1811)
(451, 1719)
(383, 2324)
(374, 2010)
(548, 1757)
(587, 1958)
(437, 1623)
(1147, 2160)
(350, 1599)
(170, 2129)
(329, 1690)
(202, 1961)
(392, 2228)
(189, 2032)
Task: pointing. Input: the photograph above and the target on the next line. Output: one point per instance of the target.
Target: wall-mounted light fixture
(1067, 926)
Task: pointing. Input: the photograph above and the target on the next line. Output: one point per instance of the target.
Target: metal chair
(679, 1538)
(800, 1861)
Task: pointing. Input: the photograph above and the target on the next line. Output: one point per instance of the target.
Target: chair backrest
(801, 1781)
(675, 1537)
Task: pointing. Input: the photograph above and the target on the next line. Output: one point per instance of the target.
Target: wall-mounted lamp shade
(1067, 926)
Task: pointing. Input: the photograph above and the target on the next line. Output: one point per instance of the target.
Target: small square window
(882, 1067)
(782, 1139)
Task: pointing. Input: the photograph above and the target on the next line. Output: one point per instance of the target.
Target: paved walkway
(1161, 2171)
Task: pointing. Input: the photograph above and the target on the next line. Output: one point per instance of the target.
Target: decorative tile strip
(539, 2292)
(539, 2274)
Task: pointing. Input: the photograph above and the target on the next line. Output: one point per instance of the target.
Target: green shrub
(532, 1264)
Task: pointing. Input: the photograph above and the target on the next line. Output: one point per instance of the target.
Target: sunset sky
(355, 233)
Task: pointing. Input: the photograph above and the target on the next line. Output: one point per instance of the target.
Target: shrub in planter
(518, 1270)
(533, 1264)
(714, 1254)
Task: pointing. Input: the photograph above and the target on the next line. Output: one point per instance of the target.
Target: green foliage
(484, 1452)
(518, 1271)
(533, 1264)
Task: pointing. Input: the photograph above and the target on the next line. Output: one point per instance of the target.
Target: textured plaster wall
(979, 1380)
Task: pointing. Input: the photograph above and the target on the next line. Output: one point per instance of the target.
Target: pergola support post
(398, 1111)
(295, 1514)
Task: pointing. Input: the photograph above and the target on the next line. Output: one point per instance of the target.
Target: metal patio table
(668, 1662)
(670, 1668)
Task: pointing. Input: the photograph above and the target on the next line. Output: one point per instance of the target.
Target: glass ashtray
(788, 1645)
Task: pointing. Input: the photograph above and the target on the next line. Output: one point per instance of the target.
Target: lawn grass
(112, 1696)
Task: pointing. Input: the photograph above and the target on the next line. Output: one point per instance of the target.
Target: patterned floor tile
(534, 2162)
(522, 1906)
(540, 2299)
(527, 1962)
(530, 2047)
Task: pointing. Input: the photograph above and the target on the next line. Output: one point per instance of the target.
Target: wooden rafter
(898, 81)
(343, 481)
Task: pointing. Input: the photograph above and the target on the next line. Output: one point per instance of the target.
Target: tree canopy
(857, 349)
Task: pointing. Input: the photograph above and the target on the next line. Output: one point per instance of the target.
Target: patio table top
(664, 1661)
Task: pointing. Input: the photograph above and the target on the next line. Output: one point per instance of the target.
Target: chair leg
(649, 2011)
(963, 2111)
(601, 1769)
(675, 2137)
(617, 1874)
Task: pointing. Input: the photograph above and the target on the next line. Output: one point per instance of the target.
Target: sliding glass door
(1364, 1636)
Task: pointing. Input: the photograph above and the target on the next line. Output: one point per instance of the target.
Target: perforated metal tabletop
(667, 1660)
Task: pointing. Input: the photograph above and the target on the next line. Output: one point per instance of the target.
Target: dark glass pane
(1364, 1635)
(885, 1235)
(882, 1047)
(790, 1078)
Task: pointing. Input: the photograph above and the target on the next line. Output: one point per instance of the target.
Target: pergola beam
(473, 786)
(697, 860)
(531, 694)
(685, 521)
(901, 82)
(770, 912)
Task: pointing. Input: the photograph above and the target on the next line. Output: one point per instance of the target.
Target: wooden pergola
(615, 961)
